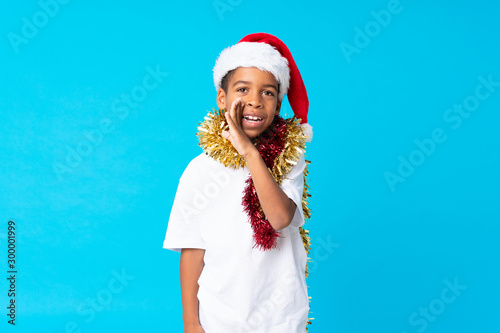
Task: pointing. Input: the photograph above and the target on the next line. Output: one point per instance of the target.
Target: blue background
(381, 253)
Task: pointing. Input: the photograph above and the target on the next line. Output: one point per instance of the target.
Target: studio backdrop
(99, 107)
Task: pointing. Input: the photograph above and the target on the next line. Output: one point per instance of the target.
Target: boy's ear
(221, 98)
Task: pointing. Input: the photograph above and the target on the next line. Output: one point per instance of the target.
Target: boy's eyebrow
(247, 82)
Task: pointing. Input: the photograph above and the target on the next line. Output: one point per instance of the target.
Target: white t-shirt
(241, 289)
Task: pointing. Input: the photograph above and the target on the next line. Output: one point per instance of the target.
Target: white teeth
(250, 118)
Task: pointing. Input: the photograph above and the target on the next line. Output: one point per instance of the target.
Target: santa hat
(270, 54)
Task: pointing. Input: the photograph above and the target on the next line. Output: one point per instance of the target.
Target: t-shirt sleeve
(293, 186)
(183, 230)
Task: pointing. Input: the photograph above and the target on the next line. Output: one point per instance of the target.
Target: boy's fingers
(233, 111)
(229, 120)
(235, 114)
(225, 134)
(226, 115)
(240, 112)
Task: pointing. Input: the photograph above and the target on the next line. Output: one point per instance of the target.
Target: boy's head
(259, 70)
(259, 92)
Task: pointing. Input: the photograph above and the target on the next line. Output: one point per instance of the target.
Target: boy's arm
(191, 265)
(277, 206)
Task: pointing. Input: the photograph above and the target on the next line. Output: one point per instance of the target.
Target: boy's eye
(267, 92)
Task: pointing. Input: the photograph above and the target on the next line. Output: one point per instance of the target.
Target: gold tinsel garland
(221, 149)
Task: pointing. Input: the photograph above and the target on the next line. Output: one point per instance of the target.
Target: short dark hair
(225, 81)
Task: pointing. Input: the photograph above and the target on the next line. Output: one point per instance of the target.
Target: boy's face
(259, 92)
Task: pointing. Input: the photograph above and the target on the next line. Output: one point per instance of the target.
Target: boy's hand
(241, 142)
(193, 329)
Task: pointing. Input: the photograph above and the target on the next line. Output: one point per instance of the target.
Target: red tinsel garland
(270, 145)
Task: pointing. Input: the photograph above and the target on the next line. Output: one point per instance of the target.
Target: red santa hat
(270, 54)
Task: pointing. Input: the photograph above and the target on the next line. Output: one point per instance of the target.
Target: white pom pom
(308, 131)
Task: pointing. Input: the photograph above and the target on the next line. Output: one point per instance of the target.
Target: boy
(239, 208)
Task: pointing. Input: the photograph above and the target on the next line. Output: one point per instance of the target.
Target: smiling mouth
(252, 119)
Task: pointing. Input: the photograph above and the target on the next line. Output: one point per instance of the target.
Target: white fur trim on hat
(253, 54)
(308, 131)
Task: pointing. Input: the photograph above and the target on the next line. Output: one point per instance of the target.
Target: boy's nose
(254, 100)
